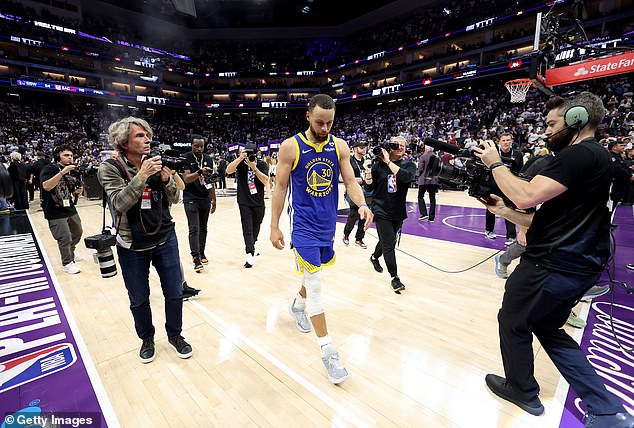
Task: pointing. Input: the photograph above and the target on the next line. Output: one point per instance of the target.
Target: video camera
(103, 243)
(173, 159)
(251, 149)
(475, 175)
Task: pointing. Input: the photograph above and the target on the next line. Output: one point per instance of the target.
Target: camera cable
(435, 267)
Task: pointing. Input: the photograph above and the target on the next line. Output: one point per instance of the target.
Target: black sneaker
(189, 292)
(204, 260)
(376, 264)
(198, 265)
(503, 389)
(619, 420)
(182, 348)
(397, 285)
(146, 354)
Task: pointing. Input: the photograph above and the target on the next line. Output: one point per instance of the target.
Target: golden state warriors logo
(319, 177)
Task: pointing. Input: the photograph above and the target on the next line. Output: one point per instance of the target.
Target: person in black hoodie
(389, 181)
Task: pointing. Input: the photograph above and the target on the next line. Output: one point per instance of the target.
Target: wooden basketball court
(416, 359)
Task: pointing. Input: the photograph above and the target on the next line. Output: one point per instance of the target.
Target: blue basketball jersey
(314, 192)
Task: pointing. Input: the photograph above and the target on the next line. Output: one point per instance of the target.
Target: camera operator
(140, 191)
(515, 161)
(567, 248)
(250, 196)
(389, 182)
(199, 198)
(59, 196)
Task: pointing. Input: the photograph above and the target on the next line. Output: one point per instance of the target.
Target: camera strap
(124, 174)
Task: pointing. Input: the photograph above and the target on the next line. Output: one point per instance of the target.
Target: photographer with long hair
(141, 190)
(568, 245)
(389, 182)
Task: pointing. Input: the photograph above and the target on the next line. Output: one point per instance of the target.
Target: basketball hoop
(518, 89)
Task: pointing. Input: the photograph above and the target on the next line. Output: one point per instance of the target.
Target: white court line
(444, 221)
(236, 337)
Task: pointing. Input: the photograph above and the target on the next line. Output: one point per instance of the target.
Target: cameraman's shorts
(313, 258)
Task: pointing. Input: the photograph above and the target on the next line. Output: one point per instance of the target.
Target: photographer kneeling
(567, 248)
(389, 182)
(140, 191)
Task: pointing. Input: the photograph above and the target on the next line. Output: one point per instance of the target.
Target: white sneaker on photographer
(78, 257)
(250, 260)
(71, 268)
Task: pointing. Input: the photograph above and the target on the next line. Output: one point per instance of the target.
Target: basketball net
(518, 89)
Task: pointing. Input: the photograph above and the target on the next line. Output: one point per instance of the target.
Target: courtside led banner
(591, 69)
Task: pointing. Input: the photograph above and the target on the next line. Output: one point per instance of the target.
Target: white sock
(324, 342)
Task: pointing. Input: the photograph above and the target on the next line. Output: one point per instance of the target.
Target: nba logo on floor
(28, 368)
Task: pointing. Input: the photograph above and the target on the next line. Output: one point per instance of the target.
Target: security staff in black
(199, 199)
(252, 175)
(389, 181)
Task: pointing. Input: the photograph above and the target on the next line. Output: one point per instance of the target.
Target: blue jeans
(3, 204)
(135, 267)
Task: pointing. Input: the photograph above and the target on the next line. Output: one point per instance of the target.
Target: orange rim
(518, 82)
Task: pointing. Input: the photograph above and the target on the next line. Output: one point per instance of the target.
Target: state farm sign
(591, 69)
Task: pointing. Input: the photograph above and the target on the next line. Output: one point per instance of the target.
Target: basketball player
(309, 163)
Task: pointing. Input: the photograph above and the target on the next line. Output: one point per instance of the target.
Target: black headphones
(576, 117)
(56, 151)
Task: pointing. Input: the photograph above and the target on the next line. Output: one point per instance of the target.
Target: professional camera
(251, 149)
(173, 159)
(387, 145)
(103, 243)
(212, 177)
(474, 174)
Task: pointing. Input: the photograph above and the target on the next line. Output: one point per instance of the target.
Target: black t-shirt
(570, 233)
(60, 201)
(389, 191)
(513, 159)
(197, 190)
(244, 178)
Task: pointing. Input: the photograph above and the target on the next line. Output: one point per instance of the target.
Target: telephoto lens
(107, 265)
